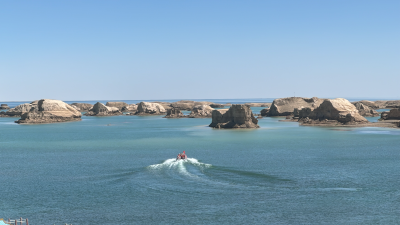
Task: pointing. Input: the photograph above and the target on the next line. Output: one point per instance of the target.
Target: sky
(208, 49)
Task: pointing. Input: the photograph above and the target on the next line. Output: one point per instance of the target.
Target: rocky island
(201, 111)
(332, 111)
(4, 106)
(365, 110)
(237, 116)
(148, 108)
(174, 113)
(286, 106)
(118, 105)
(82, 107)
(187, 105)
(393, 114)
(132, 108)
(99, 109)
(50, 111)
(19, 110)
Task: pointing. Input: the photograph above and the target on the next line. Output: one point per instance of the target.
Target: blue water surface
(121, 170)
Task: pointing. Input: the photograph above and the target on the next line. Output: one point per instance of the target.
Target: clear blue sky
(169, 49)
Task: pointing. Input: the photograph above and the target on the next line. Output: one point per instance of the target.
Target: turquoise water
(121, 170)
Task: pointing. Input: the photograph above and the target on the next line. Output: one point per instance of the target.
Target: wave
(191, 170)
(180, 166)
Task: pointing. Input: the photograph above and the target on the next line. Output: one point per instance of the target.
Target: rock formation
(83, 107)
(215, 105)
(118, 105)
(365, 110)
(257, 104)
(130, 108)
(166, 105)
(18, 110)
(286, 106)
(200, 111)
(188, 105)
(237, 116)
(393, 114)
(264, 112)
(50, 111)
(370, 104)
(388, 104)
(147, 108)
(174, 113)
(99, 109)
(384, 116)
(332, 111)
(4, 106)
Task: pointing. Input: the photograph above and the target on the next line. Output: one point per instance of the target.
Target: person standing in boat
(179, 156)
(183, 156)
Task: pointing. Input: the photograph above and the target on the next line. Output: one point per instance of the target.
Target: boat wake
(181, 166)
(191, 170)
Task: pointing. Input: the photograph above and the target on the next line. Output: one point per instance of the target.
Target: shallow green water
(121, 170)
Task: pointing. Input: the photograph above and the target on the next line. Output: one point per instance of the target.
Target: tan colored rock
(99, 109)
(365, 110)
(370, 104)
(286, 106)
(35, 102)
(18, 110)
(264, 112)
(118, 105)
(4, 106)
(50, 111)
(148, 108)
(166, 105)
(216, 105)
(388, 104)
(393, 114)
(339, 109)
(201, 111)
(174, 113)
(237, 116)
(188, 105)
(83, 107)
(258, 104)
(130, 108)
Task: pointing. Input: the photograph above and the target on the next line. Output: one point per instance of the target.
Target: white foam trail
(179, 166)
(173, 163)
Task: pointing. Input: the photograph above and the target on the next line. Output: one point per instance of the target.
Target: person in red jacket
(179, 156)
(183, 155)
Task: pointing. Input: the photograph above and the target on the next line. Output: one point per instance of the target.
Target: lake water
(121, 170)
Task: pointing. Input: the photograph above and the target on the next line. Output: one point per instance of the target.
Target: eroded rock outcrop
(370, 104)
(237, 116)
(4, 106)
(148, 108)
(188, 105)
(286, 106)
(216, 105)
(393, 114)
(174, 113)
(365, 110)
(166, 105)
(264, 112)
(18, 110)
(337, 110)
(118, 105)
(388, 104)
(50, 111)
(258, 104)
(83, 107)
(99, 109)
(130, 108)
(201, 111)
